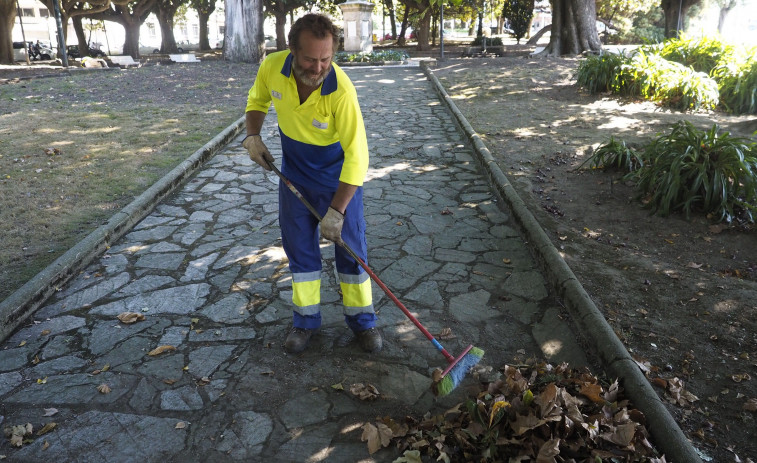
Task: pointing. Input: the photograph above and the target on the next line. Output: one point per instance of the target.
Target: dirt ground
(681, 294)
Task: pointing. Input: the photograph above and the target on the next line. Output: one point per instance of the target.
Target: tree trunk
(244, 39)
(424, 25)
(389, 5)
(131, 39)
(204, 10)
(204, 41)
(7, 19)
(401, 41)
(281, 35)
(724, 10)
(130, 16)
(165, 10)
(574, 28)
(81, 37)
(533, 40)
(675, 14)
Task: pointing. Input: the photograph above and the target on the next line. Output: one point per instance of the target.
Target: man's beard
(307, 78)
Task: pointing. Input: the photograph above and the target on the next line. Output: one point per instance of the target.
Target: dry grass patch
(76, 148)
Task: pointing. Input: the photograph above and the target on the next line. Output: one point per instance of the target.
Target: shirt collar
(328, 86)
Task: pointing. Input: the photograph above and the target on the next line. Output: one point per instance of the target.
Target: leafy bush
(706, 171)
(737, 84)
(701, 54)
(597, 73)
(647, 74)
(615, 154)
(519, 13)
(372, 57)
(490, 42)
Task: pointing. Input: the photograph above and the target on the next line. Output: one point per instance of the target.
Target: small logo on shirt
(276, 94)
(320, 125)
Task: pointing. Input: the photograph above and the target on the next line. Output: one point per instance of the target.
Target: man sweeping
(325, 155)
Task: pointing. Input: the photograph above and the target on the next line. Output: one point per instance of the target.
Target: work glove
(258, 151)
(331, 225)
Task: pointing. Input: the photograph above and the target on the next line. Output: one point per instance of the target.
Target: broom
(458, 366)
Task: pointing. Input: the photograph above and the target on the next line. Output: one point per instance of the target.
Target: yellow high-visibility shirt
(323, 140)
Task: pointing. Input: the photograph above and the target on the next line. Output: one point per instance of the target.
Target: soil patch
(679, 293)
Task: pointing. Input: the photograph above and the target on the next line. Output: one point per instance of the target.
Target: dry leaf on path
(180, 425)
(377, 436)
(160, 350)
(364, 391)
(47, 428)
(50, 411)
(751, 405)
(130, 317)
(103, 389)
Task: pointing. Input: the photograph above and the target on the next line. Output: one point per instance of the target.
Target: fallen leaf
(751, 405)
(47, 428)
(371, 435)
(399, 223)
(22, 344)
(42, 381)
(180, 425)
(410, 456)
(103, 389)
(506, 260)
(364, 391)
(737, 378)
(446, 211)
(160, 350)
(44, 332)
(592, 392)
(169, 381)
(717, 228)
(50, 411)
(337, 386)
(446, 334)
(204, 381)
(694, 265)
(130, 317)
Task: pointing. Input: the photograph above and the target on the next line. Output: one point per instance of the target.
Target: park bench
(184, 58)
(123, 61)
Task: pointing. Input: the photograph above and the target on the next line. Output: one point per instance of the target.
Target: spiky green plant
(615, 153)
(702, 54)
(597, 73)
(737, 84)
(709, 171)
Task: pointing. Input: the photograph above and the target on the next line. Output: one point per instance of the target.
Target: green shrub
(490, 42)
(701, 54)
(615, 154)
(693, 170)
(379, 56)
(737, 84)
(520, 13)
(597, 73)
(687, 89)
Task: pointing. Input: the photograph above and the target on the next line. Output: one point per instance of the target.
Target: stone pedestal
(358, 26)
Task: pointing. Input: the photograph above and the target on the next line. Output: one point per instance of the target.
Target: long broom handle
(450, 358)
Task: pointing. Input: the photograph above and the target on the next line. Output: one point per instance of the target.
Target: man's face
(312, 61)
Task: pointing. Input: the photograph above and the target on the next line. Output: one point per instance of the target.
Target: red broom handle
(450, 358)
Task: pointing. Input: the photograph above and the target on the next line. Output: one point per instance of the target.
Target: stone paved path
(207, 271)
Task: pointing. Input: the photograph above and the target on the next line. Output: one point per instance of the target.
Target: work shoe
(369, 340)
(297, 340)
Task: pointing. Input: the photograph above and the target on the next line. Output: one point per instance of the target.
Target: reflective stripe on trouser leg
(353, 280)
(299, 238)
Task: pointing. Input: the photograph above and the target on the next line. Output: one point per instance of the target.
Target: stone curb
(26, 300)
(667, 435)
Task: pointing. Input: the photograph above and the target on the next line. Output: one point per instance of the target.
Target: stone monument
(358, 26)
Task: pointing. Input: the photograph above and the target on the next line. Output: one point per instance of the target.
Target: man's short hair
(318, 25)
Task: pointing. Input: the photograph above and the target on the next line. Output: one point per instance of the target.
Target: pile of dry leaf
(540, 412)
